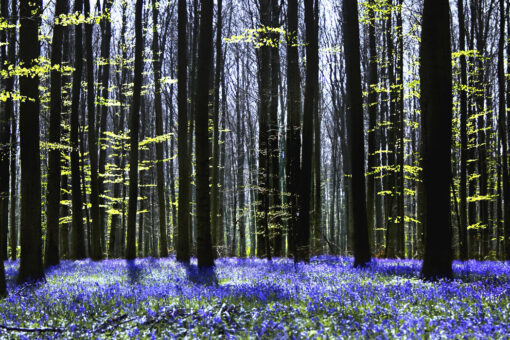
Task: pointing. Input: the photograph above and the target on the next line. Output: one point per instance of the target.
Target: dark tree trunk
(317, 236)
(183, 251)
(95, 234)
(305, 185)
(436, 108)
(51, 249)
(274, 156)
(391, 201)
(400, 232)
(204, 247)
(77, 231)
(463, 235)
(9, 108)
(293, 139)
(216, 242)
(372, 118)
(134, 127)
(361, 246)
(264, 70)
(503, 132)
(240, 134)
(31, 264)
(106, 35)
(4, 143)
(157, 59)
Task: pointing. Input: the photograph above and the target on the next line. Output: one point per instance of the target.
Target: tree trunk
(9, 108)
(134, 126)
(215, 147)
(361, 246)
(436, 108)
(95, 234)
(240, 133)
(372, 118)
(77, 231)
(293, 146)
(264, 70)
(305, 185)
(31, 265)
(400, 157)
(463, 236)
(204, 247)
(157, 58)
(106, 35)
(273, 145)
(4, 143)
(51, 249)
(503, 132)
(183, 251)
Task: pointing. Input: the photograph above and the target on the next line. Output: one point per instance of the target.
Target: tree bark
(51, 249)
(361, 246)
(134, 127)
(293, 146)
(106, 35)
(204, 247)
(183, 251)
(9, 108)
(77, 231)
(264, 70)
(157, 58)
(503, 132)
(31, 264)
(215, 147)
(4, 143)
(436, 108)
(95, 238)
(463, 235)
(273, 145)
(372, 118)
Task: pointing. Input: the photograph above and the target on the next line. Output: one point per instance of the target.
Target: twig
(41, 330)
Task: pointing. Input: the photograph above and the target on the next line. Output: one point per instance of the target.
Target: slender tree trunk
(157, 58)
(361, 246)
(183, 251)
(134, 127)
(293, 139)
(503, 132)
(264, 70)
(106, 35)
(31, 265)
(400, 157)
(95, 234)
(77, 231)
(273, 145)
(51, 250)
(9, 108)
(240, 133)
(372, 118)
(436, 108)
(215, 146)
(463, 235)
(317, 200)
(4, 143)
(305, 185)
(204, 247)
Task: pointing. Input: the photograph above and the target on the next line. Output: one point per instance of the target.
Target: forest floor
(252, 298)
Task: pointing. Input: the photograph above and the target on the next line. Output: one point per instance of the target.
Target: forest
(254, 169)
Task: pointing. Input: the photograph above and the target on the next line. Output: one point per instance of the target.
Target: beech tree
(31, 264)
(361, 246)
(204, 246)
(436, 104)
